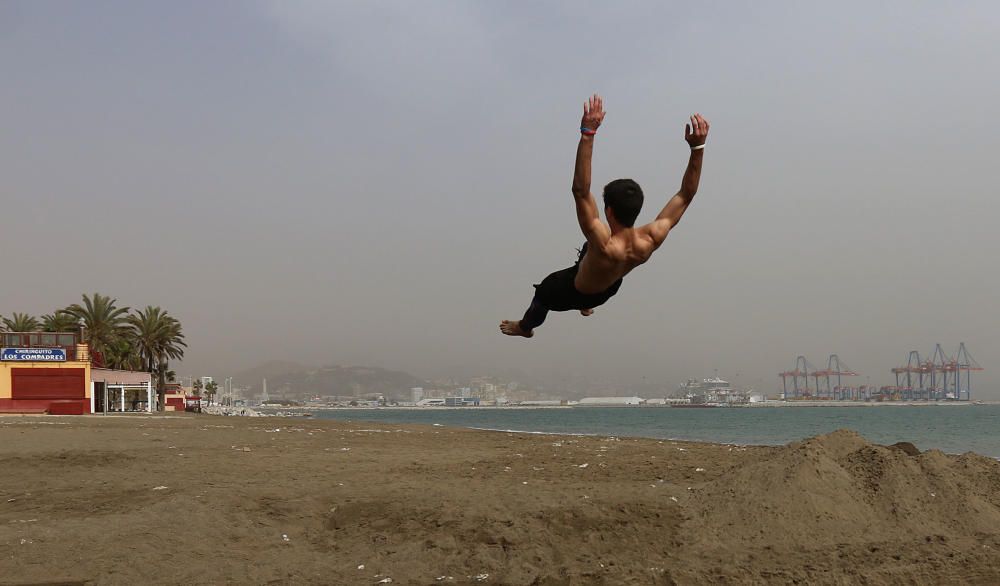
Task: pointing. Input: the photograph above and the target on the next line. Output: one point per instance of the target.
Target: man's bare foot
(586, 312)
(513, 328)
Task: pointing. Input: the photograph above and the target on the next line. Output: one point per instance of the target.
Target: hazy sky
(381, 183)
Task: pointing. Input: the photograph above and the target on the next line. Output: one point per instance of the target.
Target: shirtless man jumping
(611, 250)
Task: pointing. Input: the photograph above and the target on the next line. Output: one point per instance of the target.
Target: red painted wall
(54, 407)
(48, 383)
(59, 391)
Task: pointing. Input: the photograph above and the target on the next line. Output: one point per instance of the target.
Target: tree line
(119, 337)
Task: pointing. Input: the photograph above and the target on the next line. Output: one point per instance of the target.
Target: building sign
(33, 354)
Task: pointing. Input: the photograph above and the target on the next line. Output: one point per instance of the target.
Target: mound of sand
(835, 488)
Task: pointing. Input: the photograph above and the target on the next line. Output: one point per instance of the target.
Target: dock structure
(938, 378)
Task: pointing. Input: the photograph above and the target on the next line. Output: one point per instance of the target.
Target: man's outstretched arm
(587, 214)
(695, 134)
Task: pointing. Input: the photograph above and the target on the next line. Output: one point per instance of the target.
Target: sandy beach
(209, 500)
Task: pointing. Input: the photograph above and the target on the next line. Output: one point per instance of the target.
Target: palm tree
(60, 321)
(21, 322)
(121, 354)
(163, 368)
(158, 339)
(210, 390)
(103, 322)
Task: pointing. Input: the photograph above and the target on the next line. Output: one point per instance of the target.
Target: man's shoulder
(647, 230)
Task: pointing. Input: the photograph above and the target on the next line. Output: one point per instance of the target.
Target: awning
(120, 377)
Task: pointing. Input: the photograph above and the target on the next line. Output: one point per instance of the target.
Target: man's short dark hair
(624, 197)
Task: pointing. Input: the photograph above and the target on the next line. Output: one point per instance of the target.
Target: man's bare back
(615, 248)
(602, 266)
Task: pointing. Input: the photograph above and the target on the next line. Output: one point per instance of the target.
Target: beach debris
(932, 494)
(345, 449)
(24, 541)
(584, 465)
(556, 444)
(506, 468)
(699, 469)
(481, 577)
(443, 578)
(246, 449)
(171, 447)
(362, 566)
(673, 498)
(159, 488)
(537, 468)
(24, 521)
(384, 581)
(525, 482)
(11, 500)
(681, 450)
(285, 538)
(438, 425)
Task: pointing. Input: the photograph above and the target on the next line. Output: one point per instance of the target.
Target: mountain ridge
(292, 380)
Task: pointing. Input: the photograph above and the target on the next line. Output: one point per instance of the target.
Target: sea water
(951, 428)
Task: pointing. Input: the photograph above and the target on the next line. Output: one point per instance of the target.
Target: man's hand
(593, 113)
(696, 132)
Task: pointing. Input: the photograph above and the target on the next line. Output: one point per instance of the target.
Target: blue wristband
(588, 131)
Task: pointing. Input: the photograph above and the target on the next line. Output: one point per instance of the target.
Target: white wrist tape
(698, 148)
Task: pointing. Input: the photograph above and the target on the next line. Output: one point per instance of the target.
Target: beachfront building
(120, 391)
(432, 402)
(177, 397)
(609, 401)
(51, 372)
(461, 401)
(43, 372)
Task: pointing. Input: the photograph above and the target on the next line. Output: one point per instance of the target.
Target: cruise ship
(711, 392)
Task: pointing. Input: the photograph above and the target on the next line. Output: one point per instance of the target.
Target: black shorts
(558, 293)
